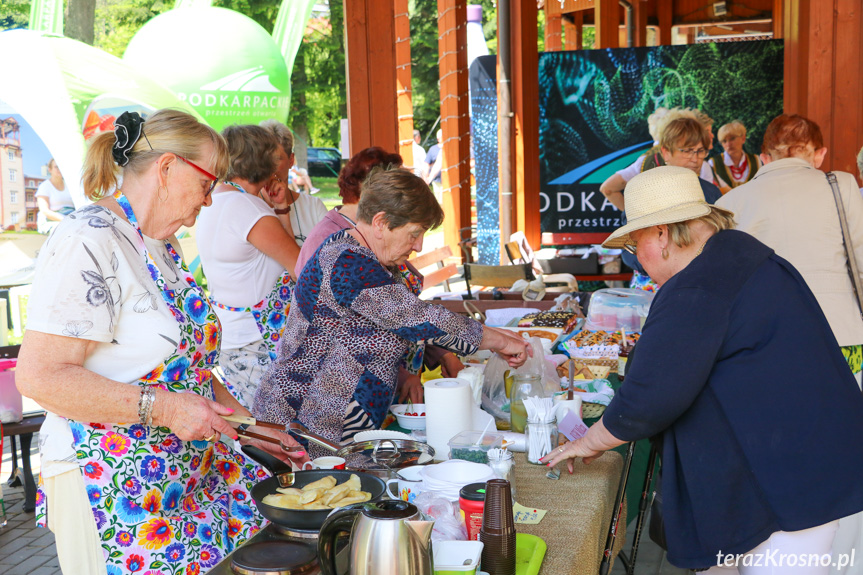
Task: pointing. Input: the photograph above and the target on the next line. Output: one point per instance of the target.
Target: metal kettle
(386, 538)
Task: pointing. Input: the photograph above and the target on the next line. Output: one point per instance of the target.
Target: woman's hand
(569, 451)
(450, 365)
(276, 192)
(296, 457)
(191, 417)
(411, 388)
(507, 344)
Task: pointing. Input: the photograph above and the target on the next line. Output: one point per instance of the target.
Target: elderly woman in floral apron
(253, 231)
(119, 349)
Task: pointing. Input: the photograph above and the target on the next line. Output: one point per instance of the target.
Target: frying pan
(311, 519)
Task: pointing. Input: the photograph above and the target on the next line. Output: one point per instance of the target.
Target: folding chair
(643, 506)
(495, 276)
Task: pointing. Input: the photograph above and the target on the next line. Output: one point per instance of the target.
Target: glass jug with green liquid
(523, 385)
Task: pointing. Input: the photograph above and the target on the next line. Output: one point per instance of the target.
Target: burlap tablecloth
(579, 512)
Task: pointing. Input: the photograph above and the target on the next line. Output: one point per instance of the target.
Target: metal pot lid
(385, 454)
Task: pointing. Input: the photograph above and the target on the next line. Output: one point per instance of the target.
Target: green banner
(47, 16)
(289, 30)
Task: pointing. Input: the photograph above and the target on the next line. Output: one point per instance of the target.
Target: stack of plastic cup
(498, 529)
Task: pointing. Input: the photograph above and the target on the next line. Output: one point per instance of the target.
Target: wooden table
(579, 512)
(25, 430)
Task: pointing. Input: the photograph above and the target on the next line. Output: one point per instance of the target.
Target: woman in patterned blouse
(352, 318)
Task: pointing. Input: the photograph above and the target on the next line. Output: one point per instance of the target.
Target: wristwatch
(282, 211)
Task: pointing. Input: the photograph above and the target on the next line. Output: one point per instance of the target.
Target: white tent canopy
(56, 79)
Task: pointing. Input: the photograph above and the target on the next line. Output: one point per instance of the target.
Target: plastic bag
(448, 525)
(494, 399)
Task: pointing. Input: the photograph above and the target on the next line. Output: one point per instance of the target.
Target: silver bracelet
(145, 405)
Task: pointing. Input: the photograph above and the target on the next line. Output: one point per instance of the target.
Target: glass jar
(524, 385)
(622, 361)
(542, 439)
(503, 466)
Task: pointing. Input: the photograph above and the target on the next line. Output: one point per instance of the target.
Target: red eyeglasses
(203, 171)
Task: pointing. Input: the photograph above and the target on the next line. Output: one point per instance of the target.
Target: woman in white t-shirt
(54, 200)
(248, 246)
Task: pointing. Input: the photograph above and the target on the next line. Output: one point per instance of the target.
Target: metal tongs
(246, 422)
(300, 430)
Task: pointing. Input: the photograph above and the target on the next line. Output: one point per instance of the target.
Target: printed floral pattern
(244, 368)
(162, 505)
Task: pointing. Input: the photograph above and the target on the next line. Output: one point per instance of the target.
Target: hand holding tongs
(248, 421)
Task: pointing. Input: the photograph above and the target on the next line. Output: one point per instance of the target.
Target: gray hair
(282, 132)
(403, 198)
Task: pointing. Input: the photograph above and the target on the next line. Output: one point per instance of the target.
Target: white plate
(373, 434)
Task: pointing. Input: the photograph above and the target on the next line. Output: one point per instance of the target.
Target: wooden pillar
(607, 18)
(553, 31)
(639, 15)
(403, 82)
(573, 38)
(371, 68)
(824, 73)
(778, 18)
(665, 15)
(525, 107)
(455, 118)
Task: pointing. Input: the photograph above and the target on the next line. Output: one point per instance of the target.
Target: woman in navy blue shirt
(739, 374)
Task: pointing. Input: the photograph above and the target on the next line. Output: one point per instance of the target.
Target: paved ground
(24, 548)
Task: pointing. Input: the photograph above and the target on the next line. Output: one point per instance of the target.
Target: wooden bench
(443, 272)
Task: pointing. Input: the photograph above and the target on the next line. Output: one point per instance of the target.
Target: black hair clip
(127, 130)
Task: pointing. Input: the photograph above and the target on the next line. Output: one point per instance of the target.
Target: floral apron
(271, 312)
(162, 504)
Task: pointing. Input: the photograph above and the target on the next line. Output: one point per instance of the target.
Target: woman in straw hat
(723, 376)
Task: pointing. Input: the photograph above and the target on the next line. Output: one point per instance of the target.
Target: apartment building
(13, 206)
(30, 187)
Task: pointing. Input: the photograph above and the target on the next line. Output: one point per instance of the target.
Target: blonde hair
(679, 231)
(733, 128)
(653, 122)
(166, 131)
(678, 113)
(282, 132)
(687, 130)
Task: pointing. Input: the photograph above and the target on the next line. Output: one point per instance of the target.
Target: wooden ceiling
(750, 15)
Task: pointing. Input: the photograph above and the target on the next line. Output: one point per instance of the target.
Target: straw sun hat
(663, 195)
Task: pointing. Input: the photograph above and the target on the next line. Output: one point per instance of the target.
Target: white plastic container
(11, 403)
(451, 556)
(615, 308)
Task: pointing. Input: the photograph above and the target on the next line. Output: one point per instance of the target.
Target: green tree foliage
(117, 21)
(425, 74)
(14, 14)
(318, 81)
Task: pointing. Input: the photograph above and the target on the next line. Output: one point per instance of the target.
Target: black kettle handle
(340, 520)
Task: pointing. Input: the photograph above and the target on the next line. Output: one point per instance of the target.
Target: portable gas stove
(276, 550)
